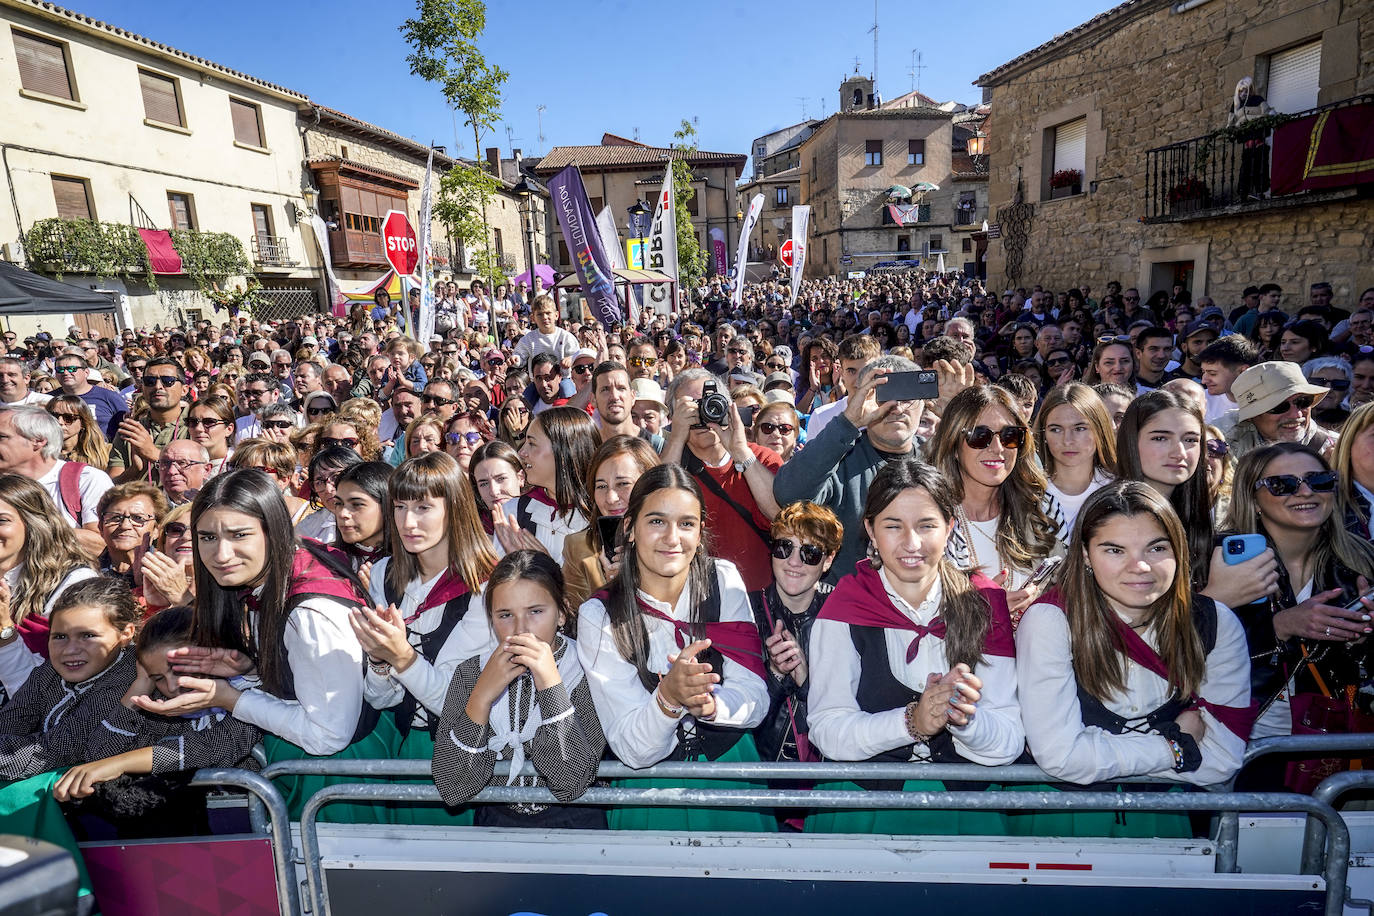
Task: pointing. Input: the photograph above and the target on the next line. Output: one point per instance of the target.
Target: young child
(524, 699)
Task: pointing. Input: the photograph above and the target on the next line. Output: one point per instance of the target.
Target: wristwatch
(742, 466)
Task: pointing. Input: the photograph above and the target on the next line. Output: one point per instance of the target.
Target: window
(247, 123)
(43, 66)
(813, 168)
(937, 243)
(262, 223)
(496, 239)
(692, 205)
(563, 252)
(1294, 78)
(915, 152)
(781, 199)
(359, 222)
(873, 152)
(182, 207)
(161, 99)
(968, 203)
(597, 204)
(1070, 146)
(73, 197)
(966, 245)
(903, 243)
(825, 251)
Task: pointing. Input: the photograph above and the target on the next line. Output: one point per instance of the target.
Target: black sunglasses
(981, 436)
(166, 381)
(1217, 448)
(331, 442)
(435, 399)
(317, 411)
(207, 422)
(783, 548)
(583, 368)
(1288, 484)
(277, 424)
(1301, 402)
(769, 428)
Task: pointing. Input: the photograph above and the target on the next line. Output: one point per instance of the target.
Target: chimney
(494, 159)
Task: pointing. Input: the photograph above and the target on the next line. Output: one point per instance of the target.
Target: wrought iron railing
(272, 251)
(1222, 172)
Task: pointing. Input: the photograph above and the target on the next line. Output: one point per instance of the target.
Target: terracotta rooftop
(1098, 22)
(619, 156)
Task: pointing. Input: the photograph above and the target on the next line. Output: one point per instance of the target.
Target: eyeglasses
(769, 429)
(783, 548)
(207, 422)
(277, 424)
(332, 442)
(116, 519)
(175, 530)
(166, 381)
(318, 411)
(737, 351)
(436, 400)
(640, 362)
(66, 370)
(1300, 402)
(1335, 384)
(470, 437)
(1217, 448)
(181, 464)
(324, 480)
(1288, 484)
(68, 417)
(981, 436)
(583, 368)
(1119, 338)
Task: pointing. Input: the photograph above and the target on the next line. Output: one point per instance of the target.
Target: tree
(443, 37)
(461, 206)
(691, 260)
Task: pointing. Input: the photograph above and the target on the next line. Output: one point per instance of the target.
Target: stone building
(618, 172)
(1131, 101)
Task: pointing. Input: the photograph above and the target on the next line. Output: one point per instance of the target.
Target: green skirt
(27, 808)
(1115, 824)
(710, 820)
(382, 743)
(904, 821)
(419, 745)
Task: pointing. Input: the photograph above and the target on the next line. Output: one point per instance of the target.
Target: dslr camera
(713, 407)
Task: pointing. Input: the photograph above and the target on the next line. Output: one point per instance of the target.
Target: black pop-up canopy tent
(23, 292)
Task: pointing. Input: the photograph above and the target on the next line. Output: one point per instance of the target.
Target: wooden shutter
(916, 150)
(160, 98)
(1295, 78)
(351, 201)
(247, 129)
(262, 221)
(70, 194)
(179, 206)
(42, 66)
(1070, 145)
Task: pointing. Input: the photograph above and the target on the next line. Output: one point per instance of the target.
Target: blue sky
(740, 69)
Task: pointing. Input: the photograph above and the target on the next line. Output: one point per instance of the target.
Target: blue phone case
(1238, 548)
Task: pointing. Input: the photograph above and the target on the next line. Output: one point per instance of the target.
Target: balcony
(1236, 171)
(272, 251)
(82, 246)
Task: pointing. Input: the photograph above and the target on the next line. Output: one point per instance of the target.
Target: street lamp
(640, 216)
(526, 190)
(978, 147)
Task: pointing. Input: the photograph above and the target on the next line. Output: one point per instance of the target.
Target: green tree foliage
(460, 205)
(691, 260)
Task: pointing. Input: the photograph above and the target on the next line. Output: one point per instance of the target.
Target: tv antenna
(803, 99)
(539, 113)
(510, 139)
(915, 70)
(874, 30)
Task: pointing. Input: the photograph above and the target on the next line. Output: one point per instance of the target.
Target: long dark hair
(221, 620)
(436, 475)
(573, 437)
(1192, 499)
(966, 613)
(622, 604)
(371, 477)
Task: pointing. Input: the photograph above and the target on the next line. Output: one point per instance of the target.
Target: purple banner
(718, 255)
(578, 223)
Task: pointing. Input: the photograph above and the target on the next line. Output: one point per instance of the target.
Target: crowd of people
(1117, 538)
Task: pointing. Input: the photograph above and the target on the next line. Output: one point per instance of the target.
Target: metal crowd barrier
(1326, 831)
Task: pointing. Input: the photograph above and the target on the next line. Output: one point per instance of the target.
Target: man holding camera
(736, 476)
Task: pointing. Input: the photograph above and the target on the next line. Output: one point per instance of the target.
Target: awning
(23, 292)
(363, 290)
(622, 275)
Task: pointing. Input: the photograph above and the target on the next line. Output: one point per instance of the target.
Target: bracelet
(1178, 754)
(379, 668)
(917, 736)
(672, 712)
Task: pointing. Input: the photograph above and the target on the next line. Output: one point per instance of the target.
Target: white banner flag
(742, 250)
(662, 252)
(801, 217)
(605, 227)
(322, 239)
(426, 319)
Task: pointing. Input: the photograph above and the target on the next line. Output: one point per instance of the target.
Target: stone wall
(1150, 77)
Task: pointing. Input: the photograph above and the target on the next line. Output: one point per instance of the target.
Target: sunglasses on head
(769, 429)
(1288, 484)
(1301, 402)
(1118, 338)
(783, 548)
(981, 436)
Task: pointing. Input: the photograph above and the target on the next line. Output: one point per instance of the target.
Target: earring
(1089, 570)
(873, 558)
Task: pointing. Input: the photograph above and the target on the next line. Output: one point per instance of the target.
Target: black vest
(367, 716)
(430, 644)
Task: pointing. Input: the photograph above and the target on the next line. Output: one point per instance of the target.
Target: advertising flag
(578, 224)
(426, 318)
(336, 303)
(605, 227)
(801, 217)
(662, 252)
(742, 252)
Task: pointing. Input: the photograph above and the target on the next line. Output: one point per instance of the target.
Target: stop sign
(785, 253)
(398, 241)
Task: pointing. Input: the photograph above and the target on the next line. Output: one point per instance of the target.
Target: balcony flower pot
(1189, 196)
(1066, 183)
(1065, 191)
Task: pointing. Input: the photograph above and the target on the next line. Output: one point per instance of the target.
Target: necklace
(968, 528)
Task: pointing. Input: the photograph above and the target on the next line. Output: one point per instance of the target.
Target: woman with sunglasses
(588, 561)
(805, 540)
(278, 461)
(277, 421)
(1008, 522)
(317, 405)
(211, 424)
(346, 430)
(911, 658)
(466, 432)
(1354, 462)
(1221, 470)
(360, 507)
(777, 426)
(1334, 374)
(1303, 638)
(1137, 675)
(81, 438)
(1076, 442)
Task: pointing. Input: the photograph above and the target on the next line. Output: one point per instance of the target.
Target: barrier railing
(261, 790)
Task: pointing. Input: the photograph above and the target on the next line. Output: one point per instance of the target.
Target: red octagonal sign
(398, 241)
(785, 253)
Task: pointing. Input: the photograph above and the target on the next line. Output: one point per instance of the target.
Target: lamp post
(977, 148)
(640, 216)
(526, 191)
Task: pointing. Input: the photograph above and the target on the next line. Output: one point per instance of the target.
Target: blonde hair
(1083, 399)
(50, 551)
(1360, 419)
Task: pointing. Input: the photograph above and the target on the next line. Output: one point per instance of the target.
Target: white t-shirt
(1218, 404)
(561, 343)
(91, 485)
(1071, 504)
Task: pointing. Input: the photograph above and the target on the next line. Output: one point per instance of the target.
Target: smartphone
(608, 526)
(1237, 548)
(746, 414)
(921, 385)
(1044, 570)
(1358, 605)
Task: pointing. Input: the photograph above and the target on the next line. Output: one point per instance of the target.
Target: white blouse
(637, 731)
(843, 731)
(551, 528)
(1066, 748)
